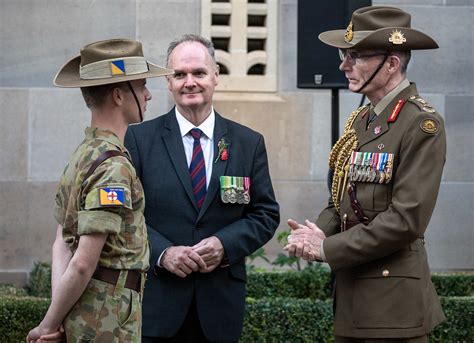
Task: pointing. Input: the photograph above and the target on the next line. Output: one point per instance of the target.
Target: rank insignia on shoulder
(428, 109)
(235, 189)
(429, 126)
(111, 196)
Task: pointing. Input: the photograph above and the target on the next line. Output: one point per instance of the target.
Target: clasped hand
(305, 240)
(204, 257)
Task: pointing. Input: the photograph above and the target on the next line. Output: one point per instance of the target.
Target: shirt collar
(387, 99)
(105, 135)
(207, 126)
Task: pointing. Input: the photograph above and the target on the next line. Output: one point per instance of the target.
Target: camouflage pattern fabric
(104, 314)
(110, 201)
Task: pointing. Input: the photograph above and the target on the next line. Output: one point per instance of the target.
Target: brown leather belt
(111, 276)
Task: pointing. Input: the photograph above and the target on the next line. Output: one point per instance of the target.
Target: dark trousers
(421, 339)
(189, 332)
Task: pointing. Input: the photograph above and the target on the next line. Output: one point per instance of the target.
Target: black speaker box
(318, 63)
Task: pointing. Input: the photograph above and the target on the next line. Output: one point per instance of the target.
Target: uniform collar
(105, 135)
(387, 99)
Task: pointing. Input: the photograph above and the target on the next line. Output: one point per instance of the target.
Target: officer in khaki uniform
(101, 249)
(387, 171)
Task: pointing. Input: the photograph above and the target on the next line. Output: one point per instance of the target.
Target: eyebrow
(192, 71)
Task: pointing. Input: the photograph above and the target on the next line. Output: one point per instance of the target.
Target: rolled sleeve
(98, 222)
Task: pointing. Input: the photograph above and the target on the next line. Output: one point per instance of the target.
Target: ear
(117, 96)
(168, 81)
(394, 63)
(216, 74)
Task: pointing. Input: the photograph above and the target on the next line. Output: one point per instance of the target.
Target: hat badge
(349, 33)
(397, 37)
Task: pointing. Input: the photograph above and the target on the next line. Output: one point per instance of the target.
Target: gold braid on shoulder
(339, 157)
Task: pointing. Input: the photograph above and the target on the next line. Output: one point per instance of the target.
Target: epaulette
(421, 103)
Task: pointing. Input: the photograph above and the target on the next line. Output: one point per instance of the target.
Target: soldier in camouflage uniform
(101, 249)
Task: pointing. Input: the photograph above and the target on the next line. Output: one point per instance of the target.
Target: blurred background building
(257, 42)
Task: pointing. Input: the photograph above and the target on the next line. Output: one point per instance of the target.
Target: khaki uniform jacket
(383, 283)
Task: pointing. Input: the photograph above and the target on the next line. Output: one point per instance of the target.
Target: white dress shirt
(207, 127)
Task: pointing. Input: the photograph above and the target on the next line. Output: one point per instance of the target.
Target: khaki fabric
(383, 283)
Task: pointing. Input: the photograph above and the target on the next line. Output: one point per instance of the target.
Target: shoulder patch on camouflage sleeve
(111, 196)
(116, 195)
(430, 125)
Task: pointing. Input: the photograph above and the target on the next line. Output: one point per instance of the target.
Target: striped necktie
(197, 169)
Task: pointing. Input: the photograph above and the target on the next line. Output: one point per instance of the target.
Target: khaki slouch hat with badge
(108, 61)
(379, 28)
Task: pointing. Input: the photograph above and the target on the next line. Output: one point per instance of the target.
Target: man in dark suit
(209, 204)
(387, 171)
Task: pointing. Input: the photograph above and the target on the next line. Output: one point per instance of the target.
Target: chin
(353, 87)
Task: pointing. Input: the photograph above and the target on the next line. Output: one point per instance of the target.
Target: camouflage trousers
(105, 313)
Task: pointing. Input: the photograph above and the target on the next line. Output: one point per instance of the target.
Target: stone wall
(41, 124)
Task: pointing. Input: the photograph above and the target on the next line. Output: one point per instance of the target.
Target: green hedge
(266, 320)
(40, 280)
(18, 315)
(288, 320)
(459, 324)
(454, 284)
(312, 282)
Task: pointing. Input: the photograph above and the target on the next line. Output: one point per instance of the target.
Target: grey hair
(192, 38)
(404, 57)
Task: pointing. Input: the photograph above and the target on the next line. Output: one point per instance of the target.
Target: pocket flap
(400, 264)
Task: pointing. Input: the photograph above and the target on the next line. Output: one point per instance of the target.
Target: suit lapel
(174, 145)
(219, 168)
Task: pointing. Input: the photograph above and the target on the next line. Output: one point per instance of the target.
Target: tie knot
(196, 133)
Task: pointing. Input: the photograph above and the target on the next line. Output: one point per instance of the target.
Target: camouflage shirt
(110, 201)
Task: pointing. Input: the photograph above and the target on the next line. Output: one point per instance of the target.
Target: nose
(147, 94)
(344, 64)
(189, 82)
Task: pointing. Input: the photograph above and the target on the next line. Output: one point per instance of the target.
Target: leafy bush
(11, 290)
(454, 284)
(266, 319)
(40, 280)
(459, 326)
(287, 319)
(18, 315)
(312, 282)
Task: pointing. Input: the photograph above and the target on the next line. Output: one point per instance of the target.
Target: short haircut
(95, 96)
(404, 57)
(192, 38)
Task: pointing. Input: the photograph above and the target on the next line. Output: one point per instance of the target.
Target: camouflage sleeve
(106, 197)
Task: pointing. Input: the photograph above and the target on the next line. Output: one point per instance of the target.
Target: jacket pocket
(387, 293)
(237, 271)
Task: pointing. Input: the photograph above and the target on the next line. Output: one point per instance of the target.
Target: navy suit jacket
(173, 218)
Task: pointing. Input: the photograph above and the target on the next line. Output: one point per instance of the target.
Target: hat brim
(68, 75)
(378, 40)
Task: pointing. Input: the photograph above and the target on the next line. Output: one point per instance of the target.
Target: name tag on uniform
(235, 189)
